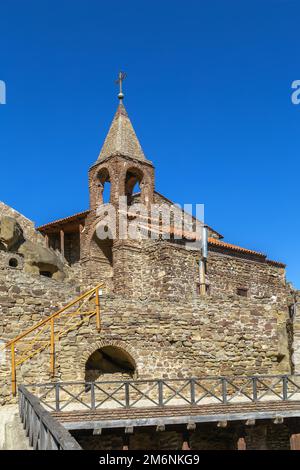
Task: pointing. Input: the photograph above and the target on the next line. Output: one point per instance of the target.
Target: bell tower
(121, 162)
(121, 165)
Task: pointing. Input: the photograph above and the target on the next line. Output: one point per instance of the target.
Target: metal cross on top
(122, 76)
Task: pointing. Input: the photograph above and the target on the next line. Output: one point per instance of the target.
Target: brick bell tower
(122, 164)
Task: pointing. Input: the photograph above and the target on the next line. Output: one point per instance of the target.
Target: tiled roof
(188, 235)
(239, 249)
(71, 218)
(229, 246)
(194, 218)
(121, 138)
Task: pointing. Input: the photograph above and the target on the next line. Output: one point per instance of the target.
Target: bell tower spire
(121, 161)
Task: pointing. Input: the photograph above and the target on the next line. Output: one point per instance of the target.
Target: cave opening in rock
(109, 363)
(13, 263)
(46, 273)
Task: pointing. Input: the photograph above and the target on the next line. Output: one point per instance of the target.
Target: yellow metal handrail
(38, 343)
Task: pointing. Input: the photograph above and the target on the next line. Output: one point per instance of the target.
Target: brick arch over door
(115, 343)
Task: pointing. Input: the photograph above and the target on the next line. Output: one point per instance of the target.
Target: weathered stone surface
(11, 233)
(41, 259)
(29, 231)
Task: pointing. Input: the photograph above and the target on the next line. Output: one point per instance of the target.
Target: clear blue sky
(208, 91)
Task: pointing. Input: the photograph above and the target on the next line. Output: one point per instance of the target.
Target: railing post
(57, 407)
(13, 371)
(192, 384)
(285, 387)
(127, 397)
(160, 393)
(98, 319)
(254, 388)
(52, 348)
(224, 390)
(93, 403)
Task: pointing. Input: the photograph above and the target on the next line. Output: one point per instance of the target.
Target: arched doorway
(109, 363)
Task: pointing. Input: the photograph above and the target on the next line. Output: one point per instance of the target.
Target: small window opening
(280, 357)
(46, 273)
(13, 263)
(242, 292)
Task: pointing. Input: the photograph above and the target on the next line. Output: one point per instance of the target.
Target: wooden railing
(67, 396)
(44, 432)
(47, 332)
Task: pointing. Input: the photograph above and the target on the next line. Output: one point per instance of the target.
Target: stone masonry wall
(165, 339)
(25, 300)
(153, 311)
(262, 436)
(296, 333)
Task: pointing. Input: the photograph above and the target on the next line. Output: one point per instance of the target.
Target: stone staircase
(12, 434)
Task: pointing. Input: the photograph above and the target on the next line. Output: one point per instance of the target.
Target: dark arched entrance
(109, 362)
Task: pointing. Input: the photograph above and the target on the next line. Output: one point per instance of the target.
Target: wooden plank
(62, 242)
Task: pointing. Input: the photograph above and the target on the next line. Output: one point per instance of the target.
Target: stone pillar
(257, 437)
(295, 441)
(241, 444)
(125, 442)
(186, 441)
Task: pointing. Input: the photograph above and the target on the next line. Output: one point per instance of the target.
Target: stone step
(15, 437)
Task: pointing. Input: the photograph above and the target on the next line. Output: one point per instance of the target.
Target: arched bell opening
(104, 186)
(133, 184)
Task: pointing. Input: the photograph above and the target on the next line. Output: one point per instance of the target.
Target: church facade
(168, 310)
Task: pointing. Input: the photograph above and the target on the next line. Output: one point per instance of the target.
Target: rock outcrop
(11, 233)
(38, 258)
(41, 260)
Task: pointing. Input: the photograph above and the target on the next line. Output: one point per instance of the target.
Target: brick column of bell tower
(121, 163)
